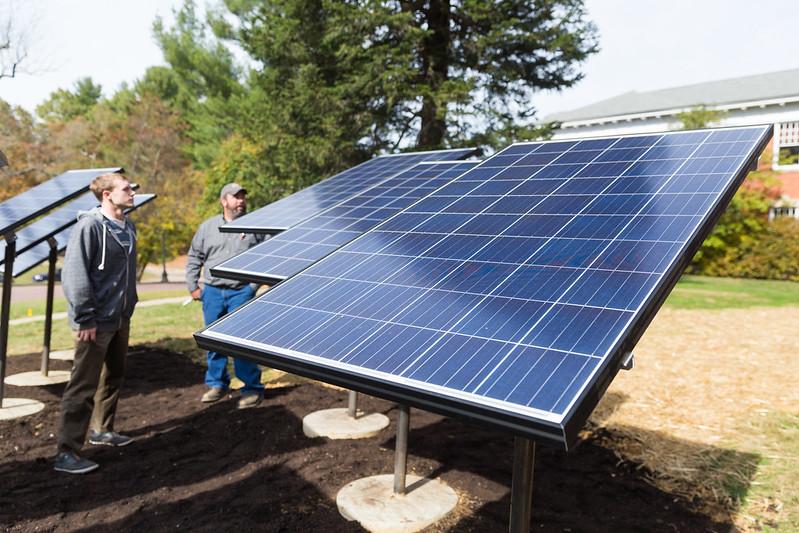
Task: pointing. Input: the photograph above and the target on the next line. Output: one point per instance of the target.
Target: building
(771, 98)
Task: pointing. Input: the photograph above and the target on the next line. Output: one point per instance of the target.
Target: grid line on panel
(510, 289)
(293, 250)
(295, 208)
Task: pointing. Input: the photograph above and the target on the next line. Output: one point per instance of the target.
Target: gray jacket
(210, 247)
(99, 274)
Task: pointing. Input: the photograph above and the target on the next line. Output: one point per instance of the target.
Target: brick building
(771, 98)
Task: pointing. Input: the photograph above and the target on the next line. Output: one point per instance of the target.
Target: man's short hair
(104, 182)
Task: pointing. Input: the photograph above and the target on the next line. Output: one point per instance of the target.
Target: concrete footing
(63, 355)
(36, 379)
(371, 502)
(19, 407)
(338, 424)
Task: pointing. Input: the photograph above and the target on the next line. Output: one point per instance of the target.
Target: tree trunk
(435, 71)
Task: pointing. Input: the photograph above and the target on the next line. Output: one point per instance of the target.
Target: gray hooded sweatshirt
(99, 272)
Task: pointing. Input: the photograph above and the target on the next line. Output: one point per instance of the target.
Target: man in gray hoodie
(99, 282)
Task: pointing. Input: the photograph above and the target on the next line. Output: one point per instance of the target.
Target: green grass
(37, 307)
(149, 325)
(772, 501)
(701, 292)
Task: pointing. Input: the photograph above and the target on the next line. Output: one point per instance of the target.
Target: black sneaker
(72, 463)
(108, 438)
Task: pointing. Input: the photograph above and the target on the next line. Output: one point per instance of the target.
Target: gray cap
(232, 189)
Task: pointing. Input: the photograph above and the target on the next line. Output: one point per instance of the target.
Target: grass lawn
(701, 292)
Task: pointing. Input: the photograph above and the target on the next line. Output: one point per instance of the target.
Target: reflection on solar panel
(287, 212)
(24, 207)
(289, 252)
(34, 255)
(513, 294)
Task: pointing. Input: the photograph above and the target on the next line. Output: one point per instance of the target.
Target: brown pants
(93, 389)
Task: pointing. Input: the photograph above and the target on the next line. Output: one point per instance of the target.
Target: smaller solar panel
(35, 255)
(291, 251)
(34, 202)
(289, 211)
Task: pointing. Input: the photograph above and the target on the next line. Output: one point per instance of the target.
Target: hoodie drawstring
(102, 258)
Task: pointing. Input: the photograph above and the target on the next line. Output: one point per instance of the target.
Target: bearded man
(219, 296)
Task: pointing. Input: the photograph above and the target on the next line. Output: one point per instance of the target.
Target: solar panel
(512, 295)
(291, 251)
(23, 208)
(285, 213)
(36, 254)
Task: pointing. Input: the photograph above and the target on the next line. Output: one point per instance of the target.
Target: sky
(645, 45)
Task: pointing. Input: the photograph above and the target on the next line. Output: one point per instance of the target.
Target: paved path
(27, 293)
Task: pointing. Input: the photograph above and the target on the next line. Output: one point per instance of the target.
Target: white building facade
(771, 98)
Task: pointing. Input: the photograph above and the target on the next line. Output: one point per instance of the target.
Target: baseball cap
(232, 189)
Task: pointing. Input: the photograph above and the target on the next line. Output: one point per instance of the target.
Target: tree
(64, 105)
(203, 80)
(700, 117)
(441, 71)
(13, 46)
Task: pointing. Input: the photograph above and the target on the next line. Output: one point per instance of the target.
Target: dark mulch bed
(213, 468)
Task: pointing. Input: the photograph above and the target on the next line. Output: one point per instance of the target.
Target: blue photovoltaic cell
(31, 256)
(291, 251)
(33, 234)
(512, 294)
(287, 212)
(24, 207)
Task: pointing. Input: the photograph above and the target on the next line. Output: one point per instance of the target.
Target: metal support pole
(352, 404)
(521, 494)
(48, 314)
(5, 307)
(401, 449)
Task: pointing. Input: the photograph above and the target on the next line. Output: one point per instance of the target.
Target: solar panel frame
(298, 207)
(354, 210)
(562, 430)
(31, 204)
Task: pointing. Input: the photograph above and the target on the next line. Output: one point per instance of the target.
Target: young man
(99, 282)
(219, 296)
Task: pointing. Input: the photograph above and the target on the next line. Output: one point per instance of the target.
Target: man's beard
(236, 213)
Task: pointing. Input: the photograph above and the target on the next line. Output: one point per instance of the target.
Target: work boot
(250, 400)
(213, 394)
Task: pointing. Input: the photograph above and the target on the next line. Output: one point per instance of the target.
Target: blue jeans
(216, 303)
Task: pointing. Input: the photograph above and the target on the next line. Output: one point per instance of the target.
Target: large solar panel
(23, 208)
(285, 213)
(512, 295)
(291, 251)
(36, 254)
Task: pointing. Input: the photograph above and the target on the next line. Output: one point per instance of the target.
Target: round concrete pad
(63, 355)
(372, 503)
(36, 379)
(338, 424)
(19, 407)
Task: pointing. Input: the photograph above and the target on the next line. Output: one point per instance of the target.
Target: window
(783, 211)
(787, 148)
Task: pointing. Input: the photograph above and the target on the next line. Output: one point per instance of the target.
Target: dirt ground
(214, 468)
